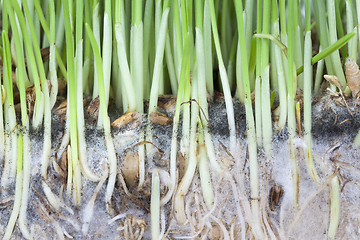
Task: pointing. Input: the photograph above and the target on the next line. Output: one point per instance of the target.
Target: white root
(123, 184)
(254, 172)
(306, 203)
(205, 178)
(265, 216)
(192, 161)
(163, 224)
(141, 152)
(155, 205)
(240, 198)
(80, 116)
(16, 208)
(70, 171)
(65, 139)
(52, 220)
(188, 212)
(112, 167)
(117, 217)
(37, 230)
(53, 200)
(226, 235)
(185, 183)
(89, 209)
(203, 222)
(67, 234)
(282, 216)
(61, 200)
(26, 182)
(47, 149)
(173, 165)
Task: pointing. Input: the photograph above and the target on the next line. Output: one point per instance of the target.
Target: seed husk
(160, 118)
(131, 117)
(130, 169)
(275, 196)
(353, 76)
(333, 80)
(93, 108)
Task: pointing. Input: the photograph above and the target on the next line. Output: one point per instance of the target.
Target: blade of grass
(281, 82)
(224, 80)
(291, 105)
(258, 80)
(108, 139)
(251, 135)
(96, 32)
(124, 67)
(170, 65)
(208, 49)
(20, 64)
(298, 45)
(266, 112)
(9, 170)
(20, 76)
(340, 28)
(106, 49)
(249, 11)
(136, 57)
(326, 52)
(88, 73)
(158, 62)
(184, 78)
(80, 114)
(205, 178)
(148, 13)
(273, 69)
(333, 37)
(323, 31)
(319, 75)
(307, 107)
(72, 100)
(179, 205)
(156, 82)
(52, 62)
(265, 86)
(47, 32)
(351, 28)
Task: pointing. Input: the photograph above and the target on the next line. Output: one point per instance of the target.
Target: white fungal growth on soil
(230, 214)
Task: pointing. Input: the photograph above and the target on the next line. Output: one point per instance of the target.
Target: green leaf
(323, 54)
